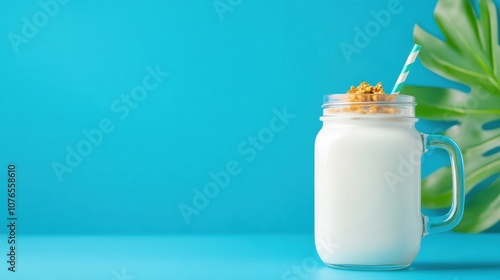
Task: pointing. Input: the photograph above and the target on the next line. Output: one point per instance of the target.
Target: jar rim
(336, 99)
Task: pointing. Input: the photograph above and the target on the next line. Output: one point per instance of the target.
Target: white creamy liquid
(367, 192)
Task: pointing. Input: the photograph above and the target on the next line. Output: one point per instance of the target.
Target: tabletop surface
(273, 256)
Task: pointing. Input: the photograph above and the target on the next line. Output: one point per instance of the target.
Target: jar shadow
(436, 266)
(418, 270)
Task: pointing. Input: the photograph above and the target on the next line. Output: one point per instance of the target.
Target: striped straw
(406, 69)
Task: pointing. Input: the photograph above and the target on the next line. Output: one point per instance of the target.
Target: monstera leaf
(470, 55)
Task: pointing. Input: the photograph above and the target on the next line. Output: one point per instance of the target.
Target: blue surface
(292, 256)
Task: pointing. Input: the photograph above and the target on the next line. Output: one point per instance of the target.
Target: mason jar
(367, 179)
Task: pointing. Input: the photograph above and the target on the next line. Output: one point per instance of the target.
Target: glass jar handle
(452, 218)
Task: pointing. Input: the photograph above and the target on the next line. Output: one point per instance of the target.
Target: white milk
(367, 191)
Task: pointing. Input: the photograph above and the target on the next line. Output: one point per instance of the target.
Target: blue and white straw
(406, 69)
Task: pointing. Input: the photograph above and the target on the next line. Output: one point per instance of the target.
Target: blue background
(227, 73)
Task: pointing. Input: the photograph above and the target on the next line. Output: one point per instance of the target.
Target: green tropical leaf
(483, 209)
(446, 104)
(470, 55)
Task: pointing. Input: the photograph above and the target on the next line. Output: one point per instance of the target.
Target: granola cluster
(367, 93)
